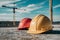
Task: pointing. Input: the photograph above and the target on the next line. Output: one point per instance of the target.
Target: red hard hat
(24, 24)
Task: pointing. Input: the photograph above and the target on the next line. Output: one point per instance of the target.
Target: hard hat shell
(24, 24)
(40, 24)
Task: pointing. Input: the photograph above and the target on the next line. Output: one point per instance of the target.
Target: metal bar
(51, 11)
(8, 7)
(14, 16)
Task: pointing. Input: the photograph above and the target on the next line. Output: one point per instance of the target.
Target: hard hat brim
(37, 32)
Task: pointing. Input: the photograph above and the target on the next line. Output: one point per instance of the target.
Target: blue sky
(28, 8)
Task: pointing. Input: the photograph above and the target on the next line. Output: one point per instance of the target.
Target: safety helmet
(24, 24)
(40, 24)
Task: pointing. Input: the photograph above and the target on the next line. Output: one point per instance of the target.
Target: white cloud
(11, 5)
(31, 5)
(56, 6)
(5, 14)
(46, 10)
(26, 9)
(9, 17)
(42, 3)
(29, 8)
(4, 2)
(56, 18)
(6, 17)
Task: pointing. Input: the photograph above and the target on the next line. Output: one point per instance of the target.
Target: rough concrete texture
(12, 33)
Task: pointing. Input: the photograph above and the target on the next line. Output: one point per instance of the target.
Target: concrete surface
(11, 33)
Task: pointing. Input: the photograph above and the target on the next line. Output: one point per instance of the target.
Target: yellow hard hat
(40, 24)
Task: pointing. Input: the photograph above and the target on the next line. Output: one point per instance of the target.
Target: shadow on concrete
(52, 32)
(23, 29)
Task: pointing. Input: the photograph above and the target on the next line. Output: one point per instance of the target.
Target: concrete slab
(12, 33)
